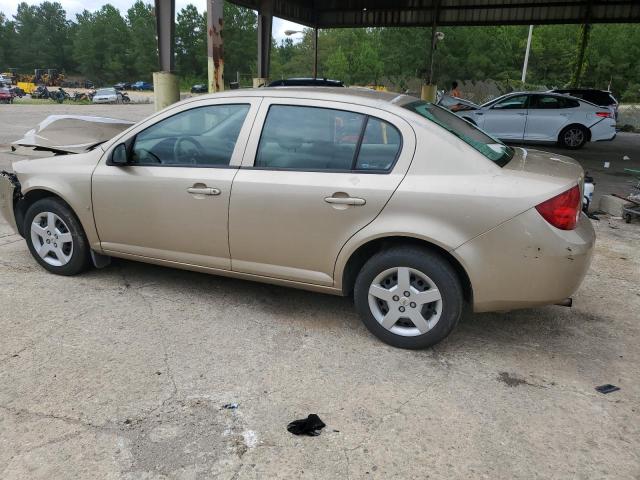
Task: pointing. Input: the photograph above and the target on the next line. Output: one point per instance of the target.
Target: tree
(101, 45)
(337, 65)
(240, 41)
(191, 42)
(143, 50)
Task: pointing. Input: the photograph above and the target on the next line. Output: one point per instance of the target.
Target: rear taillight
(604, 114)
(562, 211)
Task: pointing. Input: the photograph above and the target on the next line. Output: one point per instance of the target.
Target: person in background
(455, 91)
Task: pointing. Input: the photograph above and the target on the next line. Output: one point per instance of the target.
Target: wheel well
(366, 251)
(28, 199)
(576, 125)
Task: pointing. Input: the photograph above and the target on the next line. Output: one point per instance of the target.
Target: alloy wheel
(405, 301)
(51, 239)
(574, 137)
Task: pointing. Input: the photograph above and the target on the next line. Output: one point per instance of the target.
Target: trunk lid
(558, 168)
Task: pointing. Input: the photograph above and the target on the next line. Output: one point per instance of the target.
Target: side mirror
(119, 156)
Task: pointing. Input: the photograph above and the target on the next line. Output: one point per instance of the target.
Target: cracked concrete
(122, 373)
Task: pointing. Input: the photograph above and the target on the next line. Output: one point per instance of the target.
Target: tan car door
(299, 196)
(171, 201)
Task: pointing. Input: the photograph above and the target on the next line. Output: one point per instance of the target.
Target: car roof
(358, 95)
(580, 90)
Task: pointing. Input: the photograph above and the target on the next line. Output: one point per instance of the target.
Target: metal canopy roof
(413, 13)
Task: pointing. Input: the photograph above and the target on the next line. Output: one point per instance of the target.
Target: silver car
(107, 95)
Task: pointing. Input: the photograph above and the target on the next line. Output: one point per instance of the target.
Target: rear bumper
(526, 262)
(604, 130)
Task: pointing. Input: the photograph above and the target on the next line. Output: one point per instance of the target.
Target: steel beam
(265, 23)
(315, 53)
(165, 27)
(166, 89)
(215, 45)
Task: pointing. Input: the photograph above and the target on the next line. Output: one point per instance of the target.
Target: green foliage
(101, 45)
(107, 46)
(191, 42)
(142, 51)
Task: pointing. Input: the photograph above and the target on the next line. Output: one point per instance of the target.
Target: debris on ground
(607, 388)
(310, 426)
(230, 406)
(512, 380)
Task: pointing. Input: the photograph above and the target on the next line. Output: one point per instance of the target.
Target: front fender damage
(10, 195)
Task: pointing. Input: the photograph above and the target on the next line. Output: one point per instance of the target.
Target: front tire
(56, 238)
(573, 137)
(409, 297)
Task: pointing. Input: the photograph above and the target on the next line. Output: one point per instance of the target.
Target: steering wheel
(189, 149)
(145, 156)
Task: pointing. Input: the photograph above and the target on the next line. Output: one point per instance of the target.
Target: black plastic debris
(230, 406)
(310, 426)
(608, 388)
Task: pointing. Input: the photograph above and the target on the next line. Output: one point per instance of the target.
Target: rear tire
(56, 238)
(573, 137)
(409, 297)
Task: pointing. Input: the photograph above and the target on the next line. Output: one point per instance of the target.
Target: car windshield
(493, 149)
(106, 91)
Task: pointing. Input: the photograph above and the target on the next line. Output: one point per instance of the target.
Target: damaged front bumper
(10, 193)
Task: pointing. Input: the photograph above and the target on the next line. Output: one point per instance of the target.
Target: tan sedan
(411, 209)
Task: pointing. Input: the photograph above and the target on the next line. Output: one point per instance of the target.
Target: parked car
(399, 202)
(107, 95)
(602, 98)
(140, 85)
(306, 82)
(6, 96)
(5, 81)
(122, 86)
(543, 117)
(199, 88)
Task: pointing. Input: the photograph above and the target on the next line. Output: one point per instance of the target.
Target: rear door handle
(203, 191)
(345, 200)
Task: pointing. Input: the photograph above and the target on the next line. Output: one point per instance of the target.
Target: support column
(265, 22)
(215, 47)
(166, 87)
(315, 52)
(429, 90)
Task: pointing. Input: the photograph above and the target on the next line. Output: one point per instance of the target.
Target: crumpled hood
(72, 133)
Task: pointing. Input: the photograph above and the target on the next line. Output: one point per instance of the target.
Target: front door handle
(345, 200)
(203, 191)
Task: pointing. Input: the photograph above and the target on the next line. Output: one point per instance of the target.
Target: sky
(8, 7)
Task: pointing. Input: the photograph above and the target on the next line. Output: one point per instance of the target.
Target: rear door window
(325, 139)
(546, 102)
(380, 146)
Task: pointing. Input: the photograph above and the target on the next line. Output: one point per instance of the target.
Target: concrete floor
(122, 373)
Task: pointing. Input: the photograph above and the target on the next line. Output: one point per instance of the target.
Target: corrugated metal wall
(398, 13)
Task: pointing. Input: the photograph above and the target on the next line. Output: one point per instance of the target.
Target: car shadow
(549, 328)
